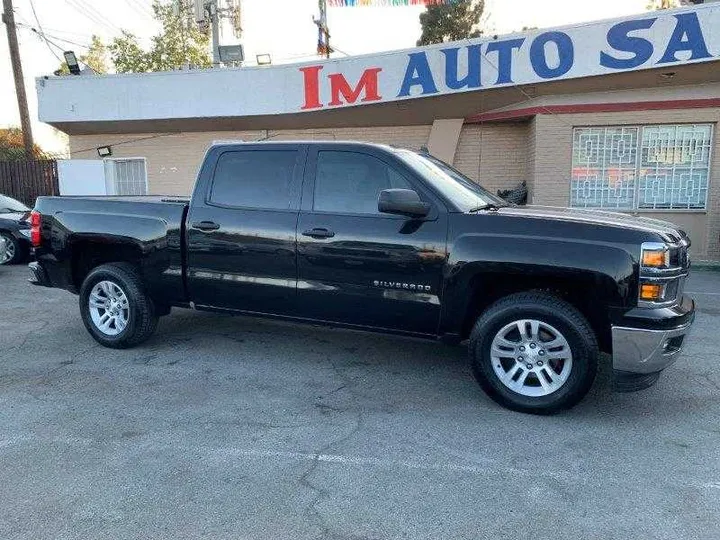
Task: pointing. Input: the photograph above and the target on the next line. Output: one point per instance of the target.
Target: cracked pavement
(230, 427)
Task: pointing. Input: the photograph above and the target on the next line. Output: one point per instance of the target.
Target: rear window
(254, 179)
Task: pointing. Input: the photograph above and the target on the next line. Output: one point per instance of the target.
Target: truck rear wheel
(114, 307)
(534, 353)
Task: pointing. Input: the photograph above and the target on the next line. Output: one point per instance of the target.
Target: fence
(28, 180)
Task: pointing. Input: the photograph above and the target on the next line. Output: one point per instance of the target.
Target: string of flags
(385, 3)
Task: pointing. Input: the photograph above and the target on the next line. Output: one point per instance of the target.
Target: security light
(72, 62)
(263, 59)
(104, 151)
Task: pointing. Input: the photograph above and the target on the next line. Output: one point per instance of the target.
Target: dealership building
(619, 115)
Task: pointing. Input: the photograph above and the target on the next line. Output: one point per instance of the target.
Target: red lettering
(340, 87)
(312, 87)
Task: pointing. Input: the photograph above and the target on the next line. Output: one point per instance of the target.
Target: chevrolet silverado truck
(382, 239)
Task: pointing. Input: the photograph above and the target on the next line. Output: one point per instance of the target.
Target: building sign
(657, 39)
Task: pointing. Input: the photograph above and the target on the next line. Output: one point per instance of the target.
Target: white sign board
(656, 39)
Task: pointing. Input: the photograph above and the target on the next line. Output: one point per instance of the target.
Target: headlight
(655, 255)
(663, 268)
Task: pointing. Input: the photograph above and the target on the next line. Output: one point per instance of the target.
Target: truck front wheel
(534, 352)
(114, 307)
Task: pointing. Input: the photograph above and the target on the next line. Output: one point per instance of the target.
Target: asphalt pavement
(231, 427)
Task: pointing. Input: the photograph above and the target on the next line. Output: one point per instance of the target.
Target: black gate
(28, 180)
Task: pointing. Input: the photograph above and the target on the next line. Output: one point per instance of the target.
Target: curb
(713, 266)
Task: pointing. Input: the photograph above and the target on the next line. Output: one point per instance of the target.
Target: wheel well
(579, 291)
(89, 255)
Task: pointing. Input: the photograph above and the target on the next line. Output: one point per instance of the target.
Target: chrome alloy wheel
(109, 308)
(531, 357)
(9, 252)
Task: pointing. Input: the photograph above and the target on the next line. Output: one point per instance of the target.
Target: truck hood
(670, 232)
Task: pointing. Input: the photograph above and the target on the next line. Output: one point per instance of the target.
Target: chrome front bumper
(637, 350)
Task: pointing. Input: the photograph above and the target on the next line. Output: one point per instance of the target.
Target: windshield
(451, 183)
(8, 205)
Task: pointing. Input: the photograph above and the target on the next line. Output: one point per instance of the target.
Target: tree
(96, 58)
(662, 4)
(179, 43)
(453, 21)
(12, 147)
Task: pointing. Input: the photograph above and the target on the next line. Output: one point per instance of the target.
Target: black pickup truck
(383, 239)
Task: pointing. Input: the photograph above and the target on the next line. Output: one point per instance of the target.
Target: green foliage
(179, 43)
(96, 58)
(662, 4)
(12, 147)
(451, 22)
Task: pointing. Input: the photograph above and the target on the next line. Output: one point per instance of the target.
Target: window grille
(126, 176)
(647, 167)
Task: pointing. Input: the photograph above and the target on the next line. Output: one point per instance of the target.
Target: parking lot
(229, 427)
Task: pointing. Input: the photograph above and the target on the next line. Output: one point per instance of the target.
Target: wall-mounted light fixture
(104, 151)
(263, 59)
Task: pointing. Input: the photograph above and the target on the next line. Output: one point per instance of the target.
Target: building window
(126, 176)
(641, 167)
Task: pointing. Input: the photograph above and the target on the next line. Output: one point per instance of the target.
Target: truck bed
(149, 229)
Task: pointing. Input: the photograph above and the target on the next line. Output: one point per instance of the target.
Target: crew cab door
(356, 265)
(241, 251)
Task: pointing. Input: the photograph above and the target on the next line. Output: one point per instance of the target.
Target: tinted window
(349, 182)
(254, 179)
(454, 185)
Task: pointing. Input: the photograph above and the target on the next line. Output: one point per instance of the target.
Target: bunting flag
(385, 3)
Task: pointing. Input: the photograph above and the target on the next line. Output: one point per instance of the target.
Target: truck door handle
(319, 233)
(205, 225)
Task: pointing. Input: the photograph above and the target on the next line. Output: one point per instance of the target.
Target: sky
(282, 28)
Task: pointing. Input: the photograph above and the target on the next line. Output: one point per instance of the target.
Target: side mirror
(405, 202)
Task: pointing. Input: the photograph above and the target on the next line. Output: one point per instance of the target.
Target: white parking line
(703, 293)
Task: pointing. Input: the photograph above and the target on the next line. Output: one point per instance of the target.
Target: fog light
(652, 292)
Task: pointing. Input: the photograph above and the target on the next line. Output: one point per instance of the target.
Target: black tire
(142, 318)
(18, 249)
(560, 315)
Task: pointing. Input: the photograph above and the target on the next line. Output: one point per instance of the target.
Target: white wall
(81, 177)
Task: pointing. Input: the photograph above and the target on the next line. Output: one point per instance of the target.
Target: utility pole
(214, 12)
(9, 19)
(323, 46)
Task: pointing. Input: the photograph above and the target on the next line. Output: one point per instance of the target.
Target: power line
(138, 7)
(41, 33)
(91, 14)
(58, 38)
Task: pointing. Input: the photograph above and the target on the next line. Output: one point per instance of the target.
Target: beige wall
(173, 159)
(495, 154)
(553, 162)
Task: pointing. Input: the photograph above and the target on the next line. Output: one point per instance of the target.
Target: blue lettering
(618, 39)
(566, 53)
(418, 73)
(687, 36)
(505, 50)
(472, 79)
